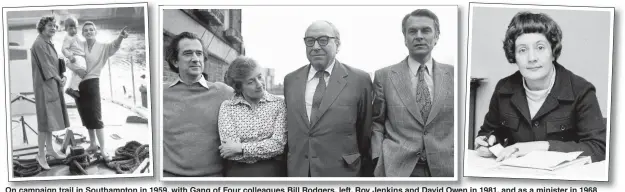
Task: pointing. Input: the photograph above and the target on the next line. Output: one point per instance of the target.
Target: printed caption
(301, 189)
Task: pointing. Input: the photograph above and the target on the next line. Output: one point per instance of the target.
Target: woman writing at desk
(543, 106)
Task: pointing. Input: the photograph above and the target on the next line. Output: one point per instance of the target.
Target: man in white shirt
(328, 111)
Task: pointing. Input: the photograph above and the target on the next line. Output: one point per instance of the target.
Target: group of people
(85, 59)
(335, 122)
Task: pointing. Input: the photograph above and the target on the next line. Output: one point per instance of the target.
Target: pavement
(118, 133)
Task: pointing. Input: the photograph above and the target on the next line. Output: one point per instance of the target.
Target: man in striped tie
(328, 111)
(413, 108)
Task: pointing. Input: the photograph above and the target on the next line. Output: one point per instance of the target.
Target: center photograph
(281, 93)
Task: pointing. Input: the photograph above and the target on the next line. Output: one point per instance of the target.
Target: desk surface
(476, 166)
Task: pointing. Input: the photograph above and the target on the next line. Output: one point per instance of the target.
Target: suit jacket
(570, 118)
(338, 143)
(399, 131)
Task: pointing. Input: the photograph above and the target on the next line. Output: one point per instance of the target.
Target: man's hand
(230, 148)
(482, 144)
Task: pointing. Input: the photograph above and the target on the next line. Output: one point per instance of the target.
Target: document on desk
(548, 160)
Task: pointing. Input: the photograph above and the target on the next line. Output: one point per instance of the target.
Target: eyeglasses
(323, 40)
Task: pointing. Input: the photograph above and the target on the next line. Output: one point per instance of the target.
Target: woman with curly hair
(543, 106)
(48, 82)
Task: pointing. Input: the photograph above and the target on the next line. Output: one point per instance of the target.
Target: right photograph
(539, 81)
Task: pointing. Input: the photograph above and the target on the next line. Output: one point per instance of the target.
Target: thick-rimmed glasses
(322, 40)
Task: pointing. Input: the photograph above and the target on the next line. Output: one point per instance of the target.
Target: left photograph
(78, 87)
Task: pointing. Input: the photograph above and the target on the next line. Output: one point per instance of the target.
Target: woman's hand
(521, 149)
(72, 59)
(482, 144)
(229, 148)
(81, 73)
(60, 80)
(123, 34)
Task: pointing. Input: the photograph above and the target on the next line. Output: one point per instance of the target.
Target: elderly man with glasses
(328, 111)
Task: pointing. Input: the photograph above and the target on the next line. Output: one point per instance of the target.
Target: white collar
(414, 66)
(202, 81)
(312, 70)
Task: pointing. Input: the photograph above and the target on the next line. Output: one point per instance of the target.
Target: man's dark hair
(421, 13)
(171, 53)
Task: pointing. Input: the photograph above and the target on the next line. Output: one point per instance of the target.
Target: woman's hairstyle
(171, 51)
(238, 71)
(44, 21)
(526, 22)
(86, 24)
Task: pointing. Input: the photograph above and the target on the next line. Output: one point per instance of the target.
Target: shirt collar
(202, 82)
(312, 70)
(268, 97)
(414, 66)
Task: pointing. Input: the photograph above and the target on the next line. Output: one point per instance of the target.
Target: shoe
(107, 158)
(42, 162)
(74, 93)
(92, 149)
(56, 155)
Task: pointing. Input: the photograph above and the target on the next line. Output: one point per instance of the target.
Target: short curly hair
(44, 21)
(238, 71)
(171, 52)
(526, 22)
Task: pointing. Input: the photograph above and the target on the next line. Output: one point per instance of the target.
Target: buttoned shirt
(261, 130)
(414, 75)
(201, 81)
(311, 85)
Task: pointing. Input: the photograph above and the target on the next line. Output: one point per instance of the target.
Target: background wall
(585, 50)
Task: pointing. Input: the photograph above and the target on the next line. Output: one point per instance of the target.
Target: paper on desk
(496, 149)
(549, 160)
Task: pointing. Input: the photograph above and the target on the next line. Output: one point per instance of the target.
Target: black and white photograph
(77, 92)
(539, 80)
(350, 92)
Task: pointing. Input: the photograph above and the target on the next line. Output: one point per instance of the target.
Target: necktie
(423, 94)
(318, 96)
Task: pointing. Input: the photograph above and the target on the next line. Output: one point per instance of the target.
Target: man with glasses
(328, 111)
(413, 109)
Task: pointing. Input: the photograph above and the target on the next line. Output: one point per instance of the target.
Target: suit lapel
(401, 79)
(299, 91)
(336, 83)
(440, 80)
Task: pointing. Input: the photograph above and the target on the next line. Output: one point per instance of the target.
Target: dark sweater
(190, 134)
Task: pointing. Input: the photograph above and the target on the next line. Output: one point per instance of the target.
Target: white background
(617, 172)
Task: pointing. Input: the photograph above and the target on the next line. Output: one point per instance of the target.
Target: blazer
(337, 144)
(399, 131)
(570, 118)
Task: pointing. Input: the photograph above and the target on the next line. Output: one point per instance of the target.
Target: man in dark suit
(413, 108)
(328, 111)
